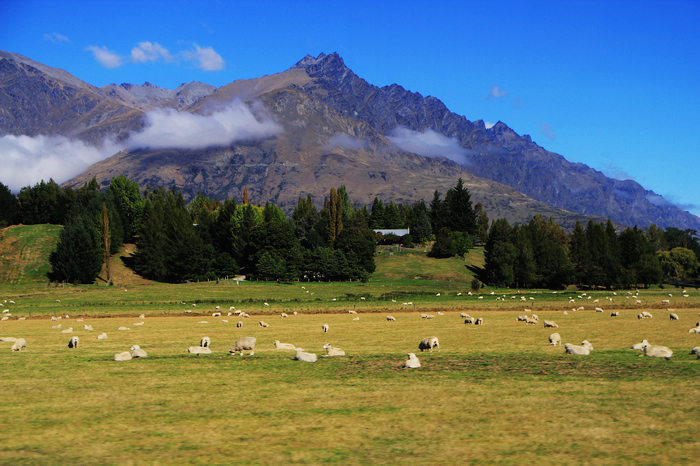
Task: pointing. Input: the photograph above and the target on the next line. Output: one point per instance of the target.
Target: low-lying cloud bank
(429, 143)
(27, 160)
(169, 129)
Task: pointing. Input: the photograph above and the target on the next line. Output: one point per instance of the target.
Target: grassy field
(24, 252)
(496, 393)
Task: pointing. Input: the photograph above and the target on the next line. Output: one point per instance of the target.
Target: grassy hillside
(414, 264)
(24, 252)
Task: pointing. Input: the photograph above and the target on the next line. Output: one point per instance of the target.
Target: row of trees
(541, 254)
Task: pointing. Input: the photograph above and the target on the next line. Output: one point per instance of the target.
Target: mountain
(311, 127)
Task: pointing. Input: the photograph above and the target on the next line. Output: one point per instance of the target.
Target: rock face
(336, 129)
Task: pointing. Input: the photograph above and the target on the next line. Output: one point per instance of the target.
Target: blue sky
(612, 84)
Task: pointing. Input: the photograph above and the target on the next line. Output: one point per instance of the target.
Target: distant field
(24, 252)
(497, 393)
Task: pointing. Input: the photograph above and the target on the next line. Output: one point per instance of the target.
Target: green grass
(24, 252)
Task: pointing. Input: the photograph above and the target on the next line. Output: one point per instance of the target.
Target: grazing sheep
(428, 344)
(530, 321)
(576, 350)
(696, 350)
(305, 357)
(639, 346)
(614, 314)
(332, 351)
(463, 315)
(646, 314)
(216, 314)
(245, 343)
(673, 316)
(205, 342)
(198, 350)
(325, 327)
(391, 318)
(535, 317)
(587, 344)
(283, 346)
(479, 321)
(264, 324)
(469, 320)
(239, 324)
(550, 323)
(125, 356)
(73, 342)
(8, 339)
(640, 317)
(658, 351)
(412, 362)
(555, 339)
(665, 301)
(284, 315)
(19, 344)
(102, 336)
(598, 309)
(352, 312)
(137, 352)
(521, 319)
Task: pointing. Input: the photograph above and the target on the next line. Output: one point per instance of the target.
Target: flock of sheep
(426, 344)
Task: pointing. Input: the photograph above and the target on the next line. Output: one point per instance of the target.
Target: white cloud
(346, 141)
(56, 37)
(206, 58)
(612, 171)
(488, 124)
(547, 131)
(168, 128)
(27, 160)
(147, 51)
(105, 57)
(428, 143)
(496, 93)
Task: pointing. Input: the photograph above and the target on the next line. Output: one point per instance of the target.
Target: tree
(9, 207)
(129, 204)
(106, 240)
(78, 256)
(460, 215)
(376, 218)
(422, 229)
(482, 221)
(335, 217)
(444, 245)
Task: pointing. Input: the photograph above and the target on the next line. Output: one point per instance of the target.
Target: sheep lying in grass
(198, 350)
(550, 323)
(325, 327)
(245, 343)
(639, 346)
(696, 350)
(137, 352)
(555, 339)
(428, 344)
(283, 346)
(102, 336)
(332, 351)
(412, 362)
(576, 350)
(68, 330)
(658, 351)
(88, 327)
(205, 342)
(19, 345)
(73, 342)
(305, 357)
(8, 339)
(125, 356)
(586, 344)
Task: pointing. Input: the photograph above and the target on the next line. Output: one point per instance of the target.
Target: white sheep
(205, 342)
(673, 316)
(646, 314)
(555, 339)
(412, 362)
(137, 352)
(102, 336)
(19, 345)
(284, 315)
(614, 314)
(639, 346)
(198, 350)
(125, 356)
(658, 351)
(68, 330)
(245, 343)
(640, 317)
(391, 318)
(463, 315)
(283, 346)
(479, 321)
(665, 301)
(325, 327)
(332, 351)
(587, 344)
(142, 316)
(56, 327)
(264, 324)
(73, 342)
(138, 324)
(88, 327)
(696, 350)
(469, 320)
(550, 323)
(123, 328)
(598, 309)
(576, 350)
(352, 312)
(8, 339)
(216, 314)
(305, 357)
(239, 324)
(428, 344)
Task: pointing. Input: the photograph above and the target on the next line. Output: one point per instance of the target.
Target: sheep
(673, 316)
(428, 344)
(576, 350)
(138, 324)
(534, 317)
(123, 328)
(356, 318)
(284, 315)
(555, 339)
(283, 346)
(479, 321)
(530, 321)
(142, 316)
(332, 351)
(469, 320)
(352, 312)
(694, 330)
(658, 351)
(125, 356)
(665, 301)
(639, 346)
(550, 323)
(305, 357)
(19, 344)
(68, 330)
(137, 352)
(56, 327)
(198, 350)
(412, 362)
(646, 314)
(239, 324)
(614, 314)
(264, 324)
(640, 317)
(598, 309)
(325, 327)
(586, 344)
(521, 319)
(205, 342)
(463, 315)
(245, 343)
(102, 336)
(8, 339)
(696, 350)
(87, 327)
(391, 318)
(216, 314)
(73, 342)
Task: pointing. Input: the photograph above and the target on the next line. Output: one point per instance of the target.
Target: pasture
(497, 393)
